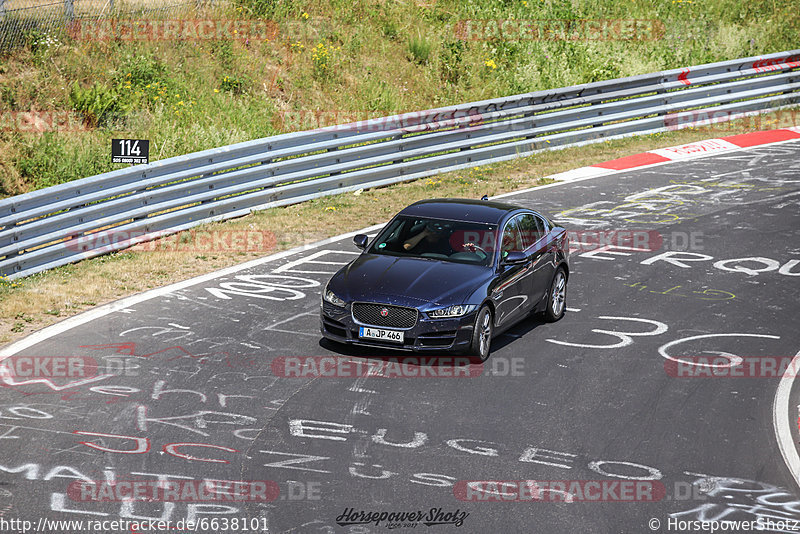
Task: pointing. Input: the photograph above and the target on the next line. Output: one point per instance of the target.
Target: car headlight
(457, 310)
(331, 297)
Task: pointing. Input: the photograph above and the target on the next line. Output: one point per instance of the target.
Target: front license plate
(380, 333)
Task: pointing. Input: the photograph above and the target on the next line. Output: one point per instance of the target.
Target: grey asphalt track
(196, 392)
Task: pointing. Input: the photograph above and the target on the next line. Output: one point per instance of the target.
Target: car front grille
(393, 316)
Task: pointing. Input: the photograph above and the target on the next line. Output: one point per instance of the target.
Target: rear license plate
(380, 333)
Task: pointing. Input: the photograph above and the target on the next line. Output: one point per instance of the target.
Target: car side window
(512, 238)
(542, 226)
(543, 222)
(532, 229)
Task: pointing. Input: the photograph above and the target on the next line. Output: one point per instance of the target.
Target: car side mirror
(360, 240)
(514, 258)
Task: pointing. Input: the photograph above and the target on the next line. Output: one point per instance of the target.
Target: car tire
(480, 346)
(556, 297)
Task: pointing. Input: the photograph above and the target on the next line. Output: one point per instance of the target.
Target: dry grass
(46, 298)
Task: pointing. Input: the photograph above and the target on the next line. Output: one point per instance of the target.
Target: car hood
(408, 281)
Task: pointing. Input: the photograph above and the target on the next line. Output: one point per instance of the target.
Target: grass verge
(341, 57)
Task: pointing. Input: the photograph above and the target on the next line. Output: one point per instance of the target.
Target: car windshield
(437, 239)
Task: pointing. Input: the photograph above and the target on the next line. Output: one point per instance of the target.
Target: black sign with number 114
(135, 151)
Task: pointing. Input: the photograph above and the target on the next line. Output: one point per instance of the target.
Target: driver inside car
(430, 240)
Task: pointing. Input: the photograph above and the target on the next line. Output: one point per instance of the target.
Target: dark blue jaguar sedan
(448, 274)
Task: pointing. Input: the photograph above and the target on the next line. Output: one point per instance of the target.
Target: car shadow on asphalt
(432, 358)
(516, 333)
(428, 358)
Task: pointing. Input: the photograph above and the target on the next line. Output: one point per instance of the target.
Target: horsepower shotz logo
(434, 516)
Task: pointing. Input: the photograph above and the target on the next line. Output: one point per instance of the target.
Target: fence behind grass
(19, 19)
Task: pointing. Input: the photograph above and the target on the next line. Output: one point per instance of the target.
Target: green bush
(56, 158)
(99, 104)
(321, 57)
(232, 84)
(140, 70)
(381, 96)
(223, 51)
(420, 49)
(389, 30)
(8, 95)
(41, 43)
(451, 61)
(261, 8)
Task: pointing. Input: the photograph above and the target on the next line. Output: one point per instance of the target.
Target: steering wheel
(476, 250)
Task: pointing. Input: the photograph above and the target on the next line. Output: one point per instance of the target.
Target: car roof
(461, 209)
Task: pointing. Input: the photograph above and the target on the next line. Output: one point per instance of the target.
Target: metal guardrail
(60, 224)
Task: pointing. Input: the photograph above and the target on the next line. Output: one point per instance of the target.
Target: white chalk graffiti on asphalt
(743, 499)
(291, 267)
(8, 379)
(200, 420)
(264, 286)
(651, 206)
(733, 359)
(278, 285)
(662, 204)
(5, 501)
(334, 431)
(58, 500)
(24, 412)
(625, 338)
(682, 259)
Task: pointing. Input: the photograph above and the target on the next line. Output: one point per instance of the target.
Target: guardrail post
(69, 9)
(206, 175)
(2, 9)
(271, 173)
